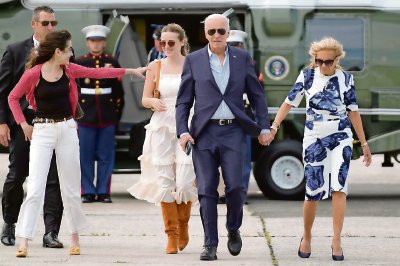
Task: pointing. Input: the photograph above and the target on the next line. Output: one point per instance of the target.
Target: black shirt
(52, 98)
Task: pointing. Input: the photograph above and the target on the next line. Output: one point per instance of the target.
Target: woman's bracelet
(277, 126)
(364, 144)
(274, 128)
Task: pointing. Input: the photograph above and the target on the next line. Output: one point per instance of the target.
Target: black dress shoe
(337, 257)
(234, 242)
(50, 240)
(303, 255)
(88, 198)
(209, 253)
(8, 234)
(104, 198)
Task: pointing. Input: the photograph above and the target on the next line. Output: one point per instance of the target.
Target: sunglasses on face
(164, 43)
(211, 32)
(46, 23)
(327, 63)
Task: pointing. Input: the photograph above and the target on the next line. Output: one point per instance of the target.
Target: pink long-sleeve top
(30, 78)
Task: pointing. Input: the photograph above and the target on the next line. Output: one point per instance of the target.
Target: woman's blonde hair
(173, 27)
(327, 43)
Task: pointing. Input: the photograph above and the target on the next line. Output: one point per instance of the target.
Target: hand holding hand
(28, 129)
(4, 135)
(265, 139)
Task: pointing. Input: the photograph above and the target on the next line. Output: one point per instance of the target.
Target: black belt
(222, 122)
(49, 120)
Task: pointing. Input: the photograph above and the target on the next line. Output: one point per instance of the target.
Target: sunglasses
(327, 63)
(211, 32)
(46, 23)
(164, 43)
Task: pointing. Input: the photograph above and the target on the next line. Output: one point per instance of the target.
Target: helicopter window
(349, 31)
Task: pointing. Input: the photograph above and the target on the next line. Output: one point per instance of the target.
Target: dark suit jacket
(198, 85)
(12, 67)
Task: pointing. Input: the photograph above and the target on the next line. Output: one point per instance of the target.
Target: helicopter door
(125, 44)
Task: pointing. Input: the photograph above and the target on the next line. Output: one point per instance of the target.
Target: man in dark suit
(214, 78)
(11, 69)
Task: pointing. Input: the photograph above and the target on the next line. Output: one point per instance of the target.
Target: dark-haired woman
(50, 88)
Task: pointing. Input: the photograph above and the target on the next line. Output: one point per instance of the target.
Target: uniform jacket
(27, 85)
(154, 54)
(101, 109)
(198, 85)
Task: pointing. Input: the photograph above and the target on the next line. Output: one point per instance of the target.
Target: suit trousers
(247, 163)
(13, 192)
(220, 146)
(63, 138)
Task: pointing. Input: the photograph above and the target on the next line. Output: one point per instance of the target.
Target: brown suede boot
(170, 215)
(183, 217)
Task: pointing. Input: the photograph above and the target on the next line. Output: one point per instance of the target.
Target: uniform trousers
(13, 192)
(97, 144)
(63, 138)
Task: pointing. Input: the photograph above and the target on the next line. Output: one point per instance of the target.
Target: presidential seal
(276, 67)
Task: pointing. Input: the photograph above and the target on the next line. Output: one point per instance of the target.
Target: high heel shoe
(303, 255)
(337, 257)
(74, 250)
(22, 252)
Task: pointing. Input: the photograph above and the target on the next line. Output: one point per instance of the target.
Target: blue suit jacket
(198, 86)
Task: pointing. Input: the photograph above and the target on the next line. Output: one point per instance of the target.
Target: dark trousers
(13, 192)
(247, 163)
(220, 146)
(96, 144)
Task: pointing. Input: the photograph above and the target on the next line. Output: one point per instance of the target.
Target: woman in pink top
(50, 88)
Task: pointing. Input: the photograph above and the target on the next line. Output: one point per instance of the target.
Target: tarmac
(131, 232)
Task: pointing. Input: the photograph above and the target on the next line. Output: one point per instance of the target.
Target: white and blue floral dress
(328, 139)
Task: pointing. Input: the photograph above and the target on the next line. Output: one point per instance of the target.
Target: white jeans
(63, 138)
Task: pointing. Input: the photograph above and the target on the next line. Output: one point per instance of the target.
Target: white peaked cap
(237, 36)
(96, 31)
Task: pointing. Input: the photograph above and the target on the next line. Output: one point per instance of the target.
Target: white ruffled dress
(167, 172)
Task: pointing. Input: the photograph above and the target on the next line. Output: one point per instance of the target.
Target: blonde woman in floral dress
(331, 109)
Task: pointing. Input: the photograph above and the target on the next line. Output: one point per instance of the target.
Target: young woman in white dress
(167, 177)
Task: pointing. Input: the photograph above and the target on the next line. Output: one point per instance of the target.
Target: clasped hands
(265, 138)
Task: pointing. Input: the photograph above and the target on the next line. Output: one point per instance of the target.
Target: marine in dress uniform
(102, 103)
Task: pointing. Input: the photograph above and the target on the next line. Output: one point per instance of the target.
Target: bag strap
(156, 93)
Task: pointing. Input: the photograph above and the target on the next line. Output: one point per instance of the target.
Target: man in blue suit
(214, 79)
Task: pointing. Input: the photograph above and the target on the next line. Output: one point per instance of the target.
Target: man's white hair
(214, 16)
